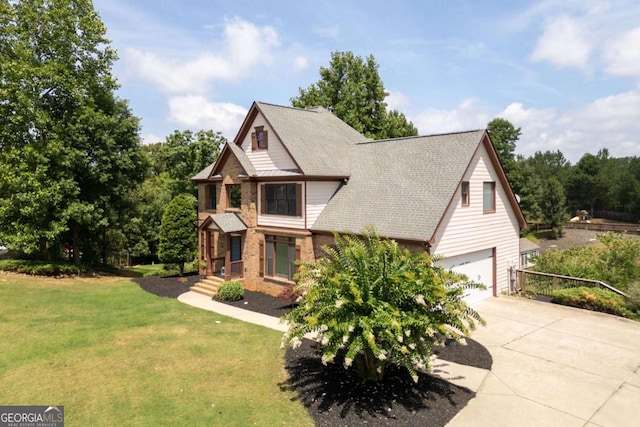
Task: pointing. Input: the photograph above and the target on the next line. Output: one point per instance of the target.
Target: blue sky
(567, 72)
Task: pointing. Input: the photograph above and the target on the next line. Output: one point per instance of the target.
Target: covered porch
(222, 238)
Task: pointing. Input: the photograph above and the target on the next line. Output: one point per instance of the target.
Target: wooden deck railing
(618, 228)
(545, 283)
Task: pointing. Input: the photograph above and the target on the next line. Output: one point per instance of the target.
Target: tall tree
(69, 149)
(504, 136)
(352, 87)
(178, 235)
(553, 204)
(184, 154)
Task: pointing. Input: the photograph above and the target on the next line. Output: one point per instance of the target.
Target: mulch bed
(337, 397)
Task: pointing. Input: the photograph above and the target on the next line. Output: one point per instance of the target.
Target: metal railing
(545, 283)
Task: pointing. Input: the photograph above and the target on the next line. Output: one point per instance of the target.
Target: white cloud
(611, 122)
(467, 115)
(150, 138)
(397, 101)
(246, 46)
(564, 42)
(609, 115)
(623, 54)
(300, 63)
(196, 112)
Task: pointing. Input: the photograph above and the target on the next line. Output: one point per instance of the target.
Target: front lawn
(113, 354)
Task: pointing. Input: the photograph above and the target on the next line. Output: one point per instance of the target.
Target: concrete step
(208, 286)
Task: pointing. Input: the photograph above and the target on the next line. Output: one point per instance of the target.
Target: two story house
(293, 176)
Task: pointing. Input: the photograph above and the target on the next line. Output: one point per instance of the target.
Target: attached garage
(479, 267)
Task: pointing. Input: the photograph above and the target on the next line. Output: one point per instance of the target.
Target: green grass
(157, 270)
(149, 270)
(113, 354)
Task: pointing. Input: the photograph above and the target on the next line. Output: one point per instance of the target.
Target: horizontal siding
(284, 221)
(275, 157)
(468, 229)
(318, 195)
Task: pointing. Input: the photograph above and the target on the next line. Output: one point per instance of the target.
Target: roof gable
(402, 186)
(317, 141)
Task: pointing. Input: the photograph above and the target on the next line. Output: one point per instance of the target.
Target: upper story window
(488, 197)
(259, 139)
(464, 193)
(234, 196)
(212, 197)
(281, 199)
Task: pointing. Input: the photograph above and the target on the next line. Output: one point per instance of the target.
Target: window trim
(270, 241)
(493, 197)
(255, 140)
(465, 196)
(298, 199)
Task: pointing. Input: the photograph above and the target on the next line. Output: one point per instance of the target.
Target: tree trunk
(369, 367)
(104, 246)
(76, 244)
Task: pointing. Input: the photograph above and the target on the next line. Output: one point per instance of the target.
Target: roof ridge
(308, 110)
(420, 136)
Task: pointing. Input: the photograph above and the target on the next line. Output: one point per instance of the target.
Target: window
(489, 197)
(211, 197)
(280, 257)
(234, 196)
(464, 192)
(259, 139)
(281, 199)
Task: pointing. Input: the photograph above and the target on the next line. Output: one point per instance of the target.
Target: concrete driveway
(555, 366)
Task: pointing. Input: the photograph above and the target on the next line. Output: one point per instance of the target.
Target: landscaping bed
(335, 396)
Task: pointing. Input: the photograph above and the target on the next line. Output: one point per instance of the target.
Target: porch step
(208, 286)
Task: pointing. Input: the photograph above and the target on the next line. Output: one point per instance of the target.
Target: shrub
(634, 297)
(614, 262)
(290, 293)
(231, 291)
(41, 268)
(594, 299)
(372, 303)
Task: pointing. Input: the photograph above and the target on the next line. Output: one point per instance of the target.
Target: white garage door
(478, 266)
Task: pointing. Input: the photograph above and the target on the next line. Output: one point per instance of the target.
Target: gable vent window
(464, 193)
(259, 139)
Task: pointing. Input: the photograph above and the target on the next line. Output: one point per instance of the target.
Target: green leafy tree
(184, 154)
(178, 236)
(553, 204)
(352, 87)
(69, 149)
(504, 136)
(142, 221)
(372, 303)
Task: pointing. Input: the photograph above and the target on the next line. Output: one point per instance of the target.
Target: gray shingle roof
(527, 245)
(228, 222)
(401, 186)
(317, 140)
(243, 159)
(204, 174)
